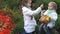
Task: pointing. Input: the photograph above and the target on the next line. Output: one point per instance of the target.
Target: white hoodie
(29, 24)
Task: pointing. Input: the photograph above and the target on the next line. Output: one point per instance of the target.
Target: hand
(43, 11)
(42, 5)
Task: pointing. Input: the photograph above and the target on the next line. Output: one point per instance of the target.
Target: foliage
(13, 6)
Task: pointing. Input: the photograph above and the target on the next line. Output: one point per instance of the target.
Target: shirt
(53, 15)
(29, 24)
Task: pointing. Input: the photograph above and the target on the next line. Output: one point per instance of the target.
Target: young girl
(51, 12)
(28, 14)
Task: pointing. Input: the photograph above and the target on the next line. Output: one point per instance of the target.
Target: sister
(28, 14)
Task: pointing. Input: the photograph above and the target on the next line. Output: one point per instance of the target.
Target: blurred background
(14, 7)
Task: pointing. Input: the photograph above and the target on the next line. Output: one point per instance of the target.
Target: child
(51, 12)
(28, 14)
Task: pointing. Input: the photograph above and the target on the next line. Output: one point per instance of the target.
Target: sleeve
(54, 17)
(30, 12)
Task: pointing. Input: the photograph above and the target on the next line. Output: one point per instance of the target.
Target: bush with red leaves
(6, 21)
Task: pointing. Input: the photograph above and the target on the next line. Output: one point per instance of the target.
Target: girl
(51, 12)
(28, 14)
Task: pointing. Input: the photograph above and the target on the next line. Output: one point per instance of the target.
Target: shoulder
(55, 13)
(24, 8)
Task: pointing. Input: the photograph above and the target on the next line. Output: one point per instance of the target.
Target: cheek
(29, 4)
(50, 7)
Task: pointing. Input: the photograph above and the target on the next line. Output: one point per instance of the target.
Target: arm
(30, 12)
(27, 11)
(54, 17)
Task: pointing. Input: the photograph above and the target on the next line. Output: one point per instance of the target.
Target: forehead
(50, 4)
(29, 0)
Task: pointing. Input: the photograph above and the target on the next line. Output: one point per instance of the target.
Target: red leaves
(1, 12)
(6, 19)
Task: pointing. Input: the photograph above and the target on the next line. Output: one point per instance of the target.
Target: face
(50, 6)
(28, 4)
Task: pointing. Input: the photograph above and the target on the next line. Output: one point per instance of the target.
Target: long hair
(20, 7)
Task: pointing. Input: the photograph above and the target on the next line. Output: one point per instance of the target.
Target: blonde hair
(54, 5)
